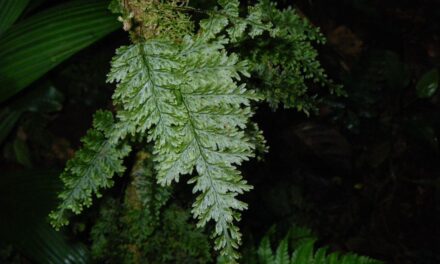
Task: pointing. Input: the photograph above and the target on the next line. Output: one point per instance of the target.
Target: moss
(147, 19)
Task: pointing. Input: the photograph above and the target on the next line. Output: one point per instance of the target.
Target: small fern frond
(285, 65)
(228, 18)
(304, 252)
(91, 169)
(282, 65)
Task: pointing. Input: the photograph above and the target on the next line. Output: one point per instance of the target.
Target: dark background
(365, 171)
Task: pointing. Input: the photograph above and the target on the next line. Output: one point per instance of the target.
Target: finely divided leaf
(186, 97)
(91, 169)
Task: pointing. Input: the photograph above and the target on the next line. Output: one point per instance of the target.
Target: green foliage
(183, 91)
(427, 85)
(141, 229)
(175, 240)
(147, 193)
(30, 48)
(92, 168)
(25, 199)
(10, 10)
(37, 44)
(147, 19)
(236, 27)
(283, 66)
(303, 251)
(187, 98)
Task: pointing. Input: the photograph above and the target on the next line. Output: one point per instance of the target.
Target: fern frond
(283, 64)
(265, 254)
(286, 64)
(228, 18)
(91, 169)
(186, 97)
(282, 253)
(182, 92)
(304, 252)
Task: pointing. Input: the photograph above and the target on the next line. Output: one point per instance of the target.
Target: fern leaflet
(91, 169)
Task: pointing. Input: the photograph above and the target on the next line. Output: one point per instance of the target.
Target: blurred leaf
(303, 253)
(428, 84)
(41, 42)
(22, 154)
(282, 253)
(8, 118)
(25, 199)
(45, 245)
(10, 10)
(45, 99)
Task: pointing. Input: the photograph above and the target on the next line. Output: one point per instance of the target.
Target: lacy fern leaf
(284, 65)
(228, 19)
(186, 97)
(91, 169)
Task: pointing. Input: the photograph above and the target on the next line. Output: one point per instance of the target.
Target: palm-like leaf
(37, 44)
(10, 10)
(25, 199)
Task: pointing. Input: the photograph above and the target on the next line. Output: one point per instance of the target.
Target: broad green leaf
(25, 198)
(8, 118)
(39, 43)
(428, 84)
(10, 10)
(21, 152)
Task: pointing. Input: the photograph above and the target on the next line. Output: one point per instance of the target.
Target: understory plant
(298, 247)
(187, 88)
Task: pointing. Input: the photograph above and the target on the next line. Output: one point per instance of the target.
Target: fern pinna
(184, 92)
